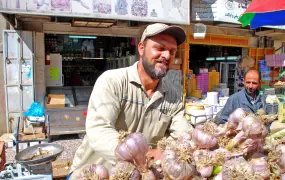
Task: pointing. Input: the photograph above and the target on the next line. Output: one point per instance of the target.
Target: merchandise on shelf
(202, 82)
(214, 80)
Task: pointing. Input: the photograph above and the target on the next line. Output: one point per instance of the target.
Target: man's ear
(141, 48)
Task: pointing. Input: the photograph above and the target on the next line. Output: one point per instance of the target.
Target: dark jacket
(240, 100)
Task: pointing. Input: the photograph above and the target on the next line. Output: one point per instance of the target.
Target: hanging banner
(218, 10)
(167, 11)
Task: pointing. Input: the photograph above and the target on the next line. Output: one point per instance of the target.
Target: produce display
(241, 149)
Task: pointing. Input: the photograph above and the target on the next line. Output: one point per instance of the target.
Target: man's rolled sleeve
(103, 111)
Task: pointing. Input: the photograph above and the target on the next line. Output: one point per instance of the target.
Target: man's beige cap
(158, 28)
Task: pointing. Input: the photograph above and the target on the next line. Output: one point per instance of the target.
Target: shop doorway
(223, 59)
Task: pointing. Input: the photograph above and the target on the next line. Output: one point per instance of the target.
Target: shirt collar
(134, 78)
(134, 75)
(251, 98)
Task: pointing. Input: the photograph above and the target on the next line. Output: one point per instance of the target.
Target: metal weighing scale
(32, 163)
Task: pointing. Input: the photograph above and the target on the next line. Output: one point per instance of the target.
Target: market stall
(61, 47)
(72, 66)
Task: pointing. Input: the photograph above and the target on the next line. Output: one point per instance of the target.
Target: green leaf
(217, 170)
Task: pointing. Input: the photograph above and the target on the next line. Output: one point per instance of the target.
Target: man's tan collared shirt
(119, 102)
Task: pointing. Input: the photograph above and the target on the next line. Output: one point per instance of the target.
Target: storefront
(60, 54)
(73, 64)
(66, 64)
(225, 47)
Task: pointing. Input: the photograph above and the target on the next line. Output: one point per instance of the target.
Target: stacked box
(265, 74)
(202, 82)
(214, 80)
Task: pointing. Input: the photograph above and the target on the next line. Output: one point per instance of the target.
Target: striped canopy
(264, 13)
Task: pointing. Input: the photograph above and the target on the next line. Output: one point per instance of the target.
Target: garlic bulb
(250, 146)
(124, 171)
(204, 140)
(235, 117)
(133, 148)
(237, 168)
(203, 160)
(260, 167)
(253, 127)
(175, 164)
(281, 162)
(219, 176)
(94, 171)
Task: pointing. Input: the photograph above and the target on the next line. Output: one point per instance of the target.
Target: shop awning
(264, 13)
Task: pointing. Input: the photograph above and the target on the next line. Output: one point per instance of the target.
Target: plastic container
(270, 91)
(279, 89)
(223, 85)
(196, 93)
(271, 108)
(197, 113)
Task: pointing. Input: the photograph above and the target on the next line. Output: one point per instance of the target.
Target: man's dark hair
(247, 71)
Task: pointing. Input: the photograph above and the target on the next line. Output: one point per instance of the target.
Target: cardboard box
(55, 101)
(30, 129)
(61, 168)
(2, 154)
(222, 91)
(23, 137)
(8, 139)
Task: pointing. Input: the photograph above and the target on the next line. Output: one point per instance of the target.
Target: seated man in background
(248, 98)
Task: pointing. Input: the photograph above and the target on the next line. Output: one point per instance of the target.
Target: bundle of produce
(250, 137)
(238, 169)
(176, 162)
(131, 153)
(251, 148)
(124, 170)
(241, 149)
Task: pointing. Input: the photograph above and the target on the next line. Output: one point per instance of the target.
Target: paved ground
(70, 144)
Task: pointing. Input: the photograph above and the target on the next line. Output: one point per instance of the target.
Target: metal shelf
(46, 125)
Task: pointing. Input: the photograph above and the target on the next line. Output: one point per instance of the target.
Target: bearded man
(134, 99)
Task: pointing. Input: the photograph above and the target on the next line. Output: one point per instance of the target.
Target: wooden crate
(61, 168)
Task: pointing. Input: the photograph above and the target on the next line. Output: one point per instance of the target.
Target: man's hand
(154, 154)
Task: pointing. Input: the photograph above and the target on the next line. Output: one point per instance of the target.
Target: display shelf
(67, 130)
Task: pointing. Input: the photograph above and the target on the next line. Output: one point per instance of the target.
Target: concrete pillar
(277, 45)
(3, 121)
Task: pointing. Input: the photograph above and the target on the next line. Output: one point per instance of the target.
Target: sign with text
(167, 11)
(218, 10)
